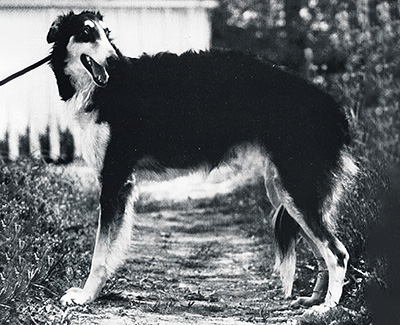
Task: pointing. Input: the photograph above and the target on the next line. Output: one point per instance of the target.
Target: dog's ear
(99, 16)
(54, 31)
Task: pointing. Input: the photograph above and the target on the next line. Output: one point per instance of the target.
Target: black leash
(23, 71)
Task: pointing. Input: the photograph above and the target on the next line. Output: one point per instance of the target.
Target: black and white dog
(183, 111)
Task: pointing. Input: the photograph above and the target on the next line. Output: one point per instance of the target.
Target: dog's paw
(305, 302)
(317, 310)
(76, 296)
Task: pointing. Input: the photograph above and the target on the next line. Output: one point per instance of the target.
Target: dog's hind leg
(336, 258)
(285, 229)
(330, 253)
(333, 252)
(113, 233)
(321, 283)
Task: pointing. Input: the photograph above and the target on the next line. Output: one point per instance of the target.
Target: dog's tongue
(98, 73)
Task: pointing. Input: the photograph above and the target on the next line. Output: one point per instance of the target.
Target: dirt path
(191, 267)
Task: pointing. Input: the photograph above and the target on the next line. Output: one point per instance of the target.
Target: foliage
(39, 209)
(260, 27)
(368, 87)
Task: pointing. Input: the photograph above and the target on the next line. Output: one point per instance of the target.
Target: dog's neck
(82, 84)
(82, 98)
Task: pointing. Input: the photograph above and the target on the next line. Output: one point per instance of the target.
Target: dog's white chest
(94, 136)
(95, 140)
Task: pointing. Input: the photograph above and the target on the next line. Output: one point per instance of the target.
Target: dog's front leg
(113, 232)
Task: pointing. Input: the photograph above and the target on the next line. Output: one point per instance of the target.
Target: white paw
(76, 296)
(317, 310)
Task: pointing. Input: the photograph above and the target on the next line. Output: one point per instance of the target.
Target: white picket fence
(136, 26)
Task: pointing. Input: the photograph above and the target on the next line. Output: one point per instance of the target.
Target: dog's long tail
(286, 230)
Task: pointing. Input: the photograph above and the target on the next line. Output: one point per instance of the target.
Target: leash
(23, 71)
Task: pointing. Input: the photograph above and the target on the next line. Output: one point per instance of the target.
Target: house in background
(32, 103)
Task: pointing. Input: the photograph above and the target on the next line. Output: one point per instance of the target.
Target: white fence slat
(34, 143)
(13, 143)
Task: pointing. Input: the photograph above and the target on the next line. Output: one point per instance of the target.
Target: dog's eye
(86, 31)
(85, 34)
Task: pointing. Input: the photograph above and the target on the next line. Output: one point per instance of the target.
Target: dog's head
(81, 49)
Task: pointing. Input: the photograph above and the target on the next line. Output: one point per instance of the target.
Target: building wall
(136, 26)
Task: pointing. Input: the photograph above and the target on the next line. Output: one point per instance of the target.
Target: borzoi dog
(184, 111)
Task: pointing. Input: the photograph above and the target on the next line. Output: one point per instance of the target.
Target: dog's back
(182, 111)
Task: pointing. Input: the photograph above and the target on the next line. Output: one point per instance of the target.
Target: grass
(41, 223)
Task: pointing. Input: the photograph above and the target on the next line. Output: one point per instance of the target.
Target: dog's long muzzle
(98, 72)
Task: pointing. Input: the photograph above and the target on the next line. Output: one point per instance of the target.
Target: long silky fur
(286, 231)
(342, 180)
(183, 111)
(286, 235)
(120, 244)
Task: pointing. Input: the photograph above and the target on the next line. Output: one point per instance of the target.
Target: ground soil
(192, 266)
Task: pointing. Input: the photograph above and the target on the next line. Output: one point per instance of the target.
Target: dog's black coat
(183, 111)
(187, 110)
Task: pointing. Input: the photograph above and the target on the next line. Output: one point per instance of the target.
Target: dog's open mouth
(98, 73)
